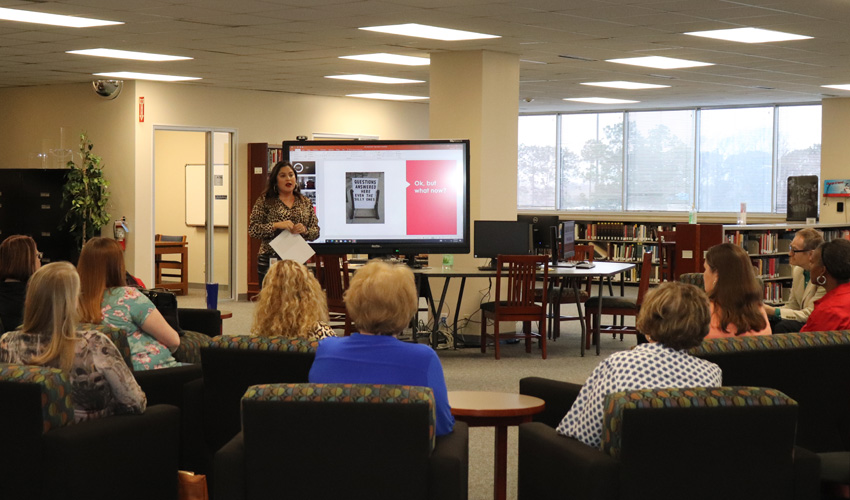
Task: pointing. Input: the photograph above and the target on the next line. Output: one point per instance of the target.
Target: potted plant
(85, 194)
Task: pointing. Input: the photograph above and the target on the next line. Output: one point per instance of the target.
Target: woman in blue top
(382, 300)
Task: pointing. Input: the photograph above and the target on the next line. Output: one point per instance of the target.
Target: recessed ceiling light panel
(388, 97)
(660, 62)
(749, 35)
(129, 75)
(28, 16)
(843, 86)
(432, 32)
(383, 57)
(626, 85)
(374, 79)
(127, 54)
(600, 100)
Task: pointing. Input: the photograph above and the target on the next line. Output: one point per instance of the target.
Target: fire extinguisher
(120, 230)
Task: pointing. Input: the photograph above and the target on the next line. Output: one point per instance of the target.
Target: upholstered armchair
(45, 455)
(231, 364)
(695, 443)
(353, 440)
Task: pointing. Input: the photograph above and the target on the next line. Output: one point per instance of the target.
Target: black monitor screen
(386, 197)
(540, 228)
(568, 239)
(501, 237)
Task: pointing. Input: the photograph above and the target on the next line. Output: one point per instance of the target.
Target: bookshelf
(623, 242)
(261, 157)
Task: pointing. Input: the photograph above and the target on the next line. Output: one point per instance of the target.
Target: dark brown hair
(271, 182)
(675, 314)
(101, 266)
(17, 258)
(737, 292)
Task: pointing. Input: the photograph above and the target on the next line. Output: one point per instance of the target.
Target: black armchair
(662, 444)
(374, 441)
(45, 456)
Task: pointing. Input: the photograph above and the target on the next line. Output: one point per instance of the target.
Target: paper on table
(292, 247)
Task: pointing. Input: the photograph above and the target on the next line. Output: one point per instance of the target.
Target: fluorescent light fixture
(749, 35)
(129, 75)
(600, 100)
(127, 54)
(387, 97)
(843, 86)
(660, 62)
(383, 57)
(626, 85)
(432, 32)
(373, 79)
(28, 16)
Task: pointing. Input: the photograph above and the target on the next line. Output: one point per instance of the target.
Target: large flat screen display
(386, 197)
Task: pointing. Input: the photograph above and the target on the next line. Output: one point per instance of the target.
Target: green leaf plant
(85, 195)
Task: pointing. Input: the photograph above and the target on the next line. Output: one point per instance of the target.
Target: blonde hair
(291, 302)
(675, 314)
(50, 309)
(381, 298)
(101, 266)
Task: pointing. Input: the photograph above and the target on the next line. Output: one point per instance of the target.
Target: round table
(499, 410)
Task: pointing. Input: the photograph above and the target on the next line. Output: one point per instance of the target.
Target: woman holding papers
(281, 208)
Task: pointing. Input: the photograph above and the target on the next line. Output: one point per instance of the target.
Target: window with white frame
(591, 162)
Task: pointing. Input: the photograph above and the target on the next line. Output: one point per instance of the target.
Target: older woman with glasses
(19, 259)
(793, 315)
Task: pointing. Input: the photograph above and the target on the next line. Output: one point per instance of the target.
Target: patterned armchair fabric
(190, 347)
(57, 410)
(257, 343)
(698, 397)
(695, 279)
(348, 393)
(799, 340)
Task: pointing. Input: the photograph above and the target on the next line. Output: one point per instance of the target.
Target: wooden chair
(618, 306)
(179, 268)
(520, 304)
(332, 273)
(667, 255)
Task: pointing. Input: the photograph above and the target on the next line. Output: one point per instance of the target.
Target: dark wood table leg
(500, 465)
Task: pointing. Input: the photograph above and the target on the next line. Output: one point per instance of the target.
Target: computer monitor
(568, 240)
(540, 225)
(501, 237)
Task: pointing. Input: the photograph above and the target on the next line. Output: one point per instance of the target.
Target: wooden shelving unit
(261, 157)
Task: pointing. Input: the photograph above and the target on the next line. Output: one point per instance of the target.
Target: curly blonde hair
(291, 303)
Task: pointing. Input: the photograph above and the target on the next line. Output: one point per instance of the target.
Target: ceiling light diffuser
(129, 75)
(660, 62)
(127, 54)
(387, 97)
(626, 85)
(432, 32)
(749, 35)
(28, 16)
(600, 100)
(383, 57)
(374, 79)
(843, 86)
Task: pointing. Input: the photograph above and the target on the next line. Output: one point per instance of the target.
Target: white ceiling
(290, 45)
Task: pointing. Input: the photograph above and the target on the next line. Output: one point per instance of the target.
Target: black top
(12, 294)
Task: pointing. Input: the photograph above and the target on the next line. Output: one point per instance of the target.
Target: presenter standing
(282, 207)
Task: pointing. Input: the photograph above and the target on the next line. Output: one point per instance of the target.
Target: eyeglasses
(793, 250)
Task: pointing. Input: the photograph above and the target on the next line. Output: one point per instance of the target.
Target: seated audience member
(831, 271)
(102, 383)
(19, 258)
(382, 300)
(674, 317)
(291, 304)
(793, 315)
(734, 293)
(106, 299)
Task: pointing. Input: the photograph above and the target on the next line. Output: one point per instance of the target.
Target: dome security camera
(108, 89)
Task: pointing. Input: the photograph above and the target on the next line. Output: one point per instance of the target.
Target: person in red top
(831, 270)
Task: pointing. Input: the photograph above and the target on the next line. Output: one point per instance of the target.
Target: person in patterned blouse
(282, 207)
(291, 304)
(674, 317)
(102, 383)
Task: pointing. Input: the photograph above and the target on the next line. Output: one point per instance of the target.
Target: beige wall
(835, 155)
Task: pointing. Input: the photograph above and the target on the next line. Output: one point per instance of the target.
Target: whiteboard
(195, 211)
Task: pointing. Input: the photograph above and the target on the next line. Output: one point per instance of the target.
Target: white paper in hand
(292, 247)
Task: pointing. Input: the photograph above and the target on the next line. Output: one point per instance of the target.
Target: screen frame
(396, 247)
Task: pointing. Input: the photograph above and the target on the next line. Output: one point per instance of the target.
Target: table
(601, 270)
(499, 410)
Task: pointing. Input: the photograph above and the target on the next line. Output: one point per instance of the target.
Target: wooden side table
(499, 410)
